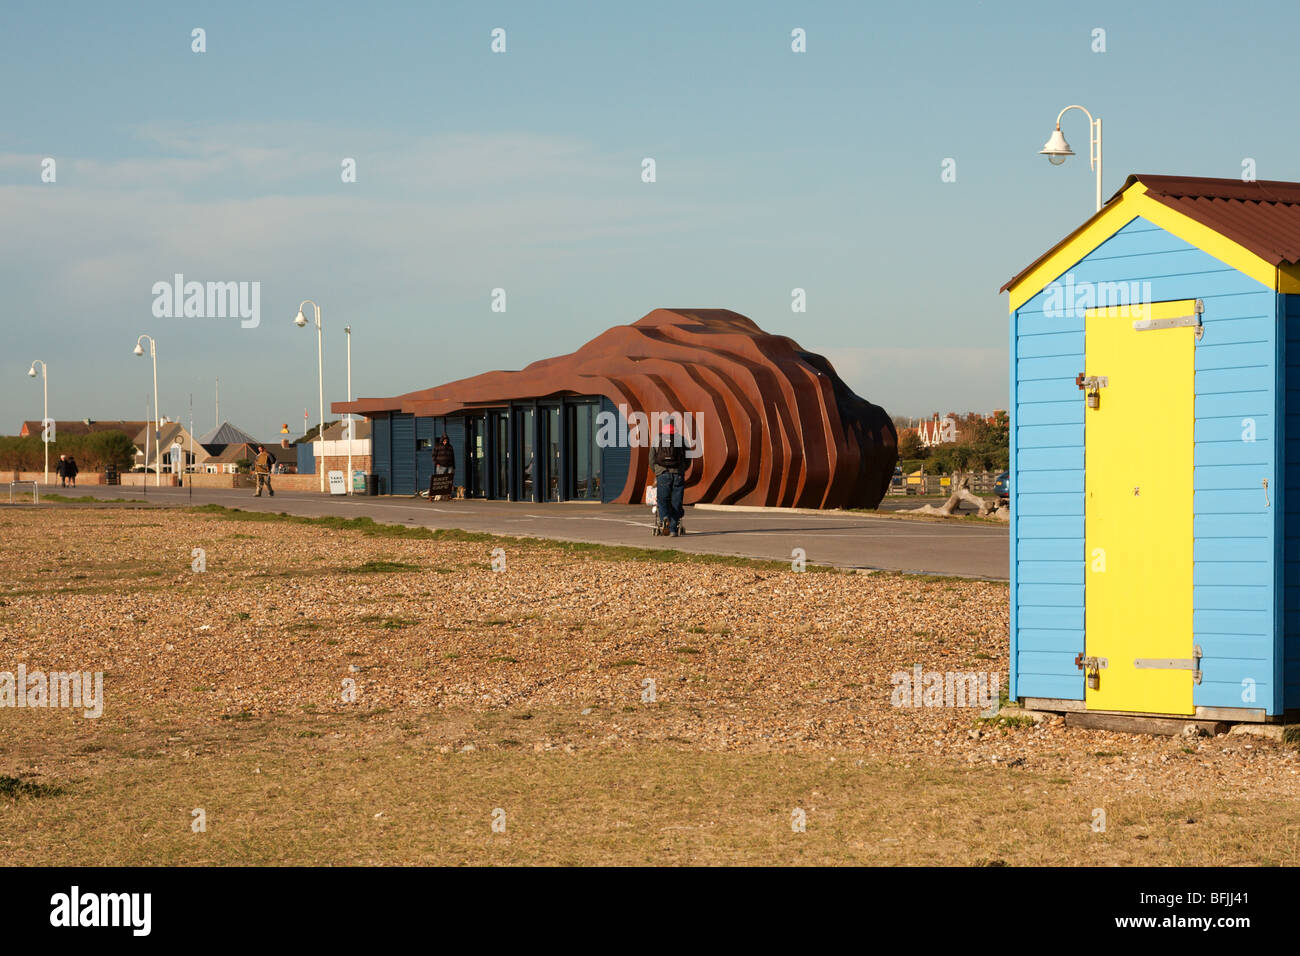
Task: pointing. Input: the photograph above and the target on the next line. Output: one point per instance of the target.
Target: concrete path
(835, 538)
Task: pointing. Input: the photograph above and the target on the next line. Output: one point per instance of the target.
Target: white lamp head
(1056, 149)
(139, 349)
(32, 371)
(301, 320)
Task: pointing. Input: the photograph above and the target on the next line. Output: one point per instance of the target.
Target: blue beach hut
(1155, 456)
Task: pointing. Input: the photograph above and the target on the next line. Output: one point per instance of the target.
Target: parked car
(1002, 487)
(897, 480)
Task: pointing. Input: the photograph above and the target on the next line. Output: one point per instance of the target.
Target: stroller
(660, 526)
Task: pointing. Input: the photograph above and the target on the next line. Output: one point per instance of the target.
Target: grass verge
(600, 552)
(321, 792)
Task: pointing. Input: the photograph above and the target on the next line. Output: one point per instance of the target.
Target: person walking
(262, 472)
(668, 461)
(60, 469)
(70, 470)
(444, 461)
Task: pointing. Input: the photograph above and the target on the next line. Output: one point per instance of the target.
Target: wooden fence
(981, 483)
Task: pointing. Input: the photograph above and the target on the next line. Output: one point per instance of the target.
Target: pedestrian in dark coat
(70, 469)
(668, 461)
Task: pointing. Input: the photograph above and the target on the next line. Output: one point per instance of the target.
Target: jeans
(669, 486)
(263, 479)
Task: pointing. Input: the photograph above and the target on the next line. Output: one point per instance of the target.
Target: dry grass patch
(526, 690)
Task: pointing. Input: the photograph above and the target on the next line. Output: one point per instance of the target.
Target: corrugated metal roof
(1261, 216)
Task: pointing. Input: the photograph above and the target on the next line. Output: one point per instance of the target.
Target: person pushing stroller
(668, 461)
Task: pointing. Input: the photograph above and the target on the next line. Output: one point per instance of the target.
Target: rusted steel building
(767, 423)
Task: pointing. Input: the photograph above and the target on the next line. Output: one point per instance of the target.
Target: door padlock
(1092, 386)
(1092, 668)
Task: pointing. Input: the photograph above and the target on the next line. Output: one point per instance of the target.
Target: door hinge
(1192, 664)
(1176, 322)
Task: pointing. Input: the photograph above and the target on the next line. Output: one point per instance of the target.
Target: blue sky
(521, 171)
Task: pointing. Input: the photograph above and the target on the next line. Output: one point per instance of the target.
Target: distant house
(227, 461)
(85, 426)
(334, 447)
(223, 435)
(283, 456)
(171, 433)
(938, 430)
(953, 428)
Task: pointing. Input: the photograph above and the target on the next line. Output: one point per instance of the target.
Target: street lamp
(347, 329)
(301, 322)
(157, 460)
(45, 416)
(1057, 150)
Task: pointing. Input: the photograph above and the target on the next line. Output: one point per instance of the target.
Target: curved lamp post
(301, 322)
(1057, 150)
(157, 459)
(45, 415)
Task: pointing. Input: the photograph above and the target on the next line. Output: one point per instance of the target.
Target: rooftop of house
(85, 426)
(225, 434)
(1260, 216)
(335, 432)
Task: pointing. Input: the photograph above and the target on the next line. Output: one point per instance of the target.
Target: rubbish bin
(372, 485)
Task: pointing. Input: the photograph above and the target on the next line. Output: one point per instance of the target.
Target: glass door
(500, 455)
(584, 453)
(526, 460)
(551, 450)
(476, 457)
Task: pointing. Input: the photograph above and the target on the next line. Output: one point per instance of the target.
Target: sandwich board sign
(338, 486)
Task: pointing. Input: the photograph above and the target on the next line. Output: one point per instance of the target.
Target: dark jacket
(668, 458)
(60, 467)
(70, 468)
(444, 455)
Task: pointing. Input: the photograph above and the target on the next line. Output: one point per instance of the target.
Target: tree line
(94, 452)
(981, 445)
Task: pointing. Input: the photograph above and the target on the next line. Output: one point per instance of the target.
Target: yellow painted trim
(1119, 213)
(1209, 241)
(1288, 279)
(1171, 309)
(1113, 217)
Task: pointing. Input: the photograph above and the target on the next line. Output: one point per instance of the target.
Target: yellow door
(1138, 525)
